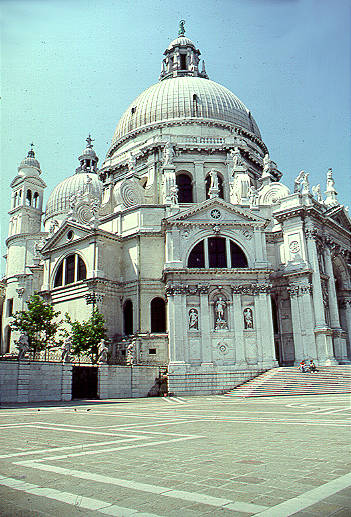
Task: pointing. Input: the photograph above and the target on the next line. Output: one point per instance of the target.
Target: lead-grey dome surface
(173, 99)
(59, 199)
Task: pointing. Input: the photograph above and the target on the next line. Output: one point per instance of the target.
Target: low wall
(207, 383)
(115, 382)
(35, 381)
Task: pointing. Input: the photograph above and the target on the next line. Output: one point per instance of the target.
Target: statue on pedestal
(23, 346)
(168, 154)
(220, 306)
(103, 351)
(66, 350)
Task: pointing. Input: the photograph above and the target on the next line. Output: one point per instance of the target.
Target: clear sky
(70, 67)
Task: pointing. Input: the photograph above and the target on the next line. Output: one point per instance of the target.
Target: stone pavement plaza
(217, 455)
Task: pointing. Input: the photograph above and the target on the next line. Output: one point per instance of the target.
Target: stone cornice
(186, 122)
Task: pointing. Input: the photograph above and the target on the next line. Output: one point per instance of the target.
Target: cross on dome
(31, 153)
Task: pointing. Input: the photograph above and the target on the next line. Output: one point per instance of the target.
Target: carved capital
(251, 289)
(311, 233)
(293, 290)
(20, 292)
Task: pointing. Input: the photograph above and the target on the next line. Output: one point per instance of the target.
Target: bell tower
(27, 197)
(23, 274)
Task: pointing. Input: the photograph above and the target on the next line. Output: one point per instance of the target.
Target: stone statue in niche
(193, 319)
(214, 186)
(248, 318)
(221, 322)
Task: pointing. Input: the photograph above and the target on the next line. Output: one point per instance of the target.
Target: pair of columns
(323, 297)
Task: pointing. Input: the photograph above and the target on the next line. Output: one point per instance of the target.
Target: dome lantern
(182, 58)
(30, 161)
(88, 159)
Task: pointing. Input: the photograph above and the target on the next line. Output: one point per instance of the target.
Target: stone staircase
(290, 381)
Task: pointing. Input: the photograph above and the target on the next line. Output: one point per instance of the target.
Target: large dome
(59, 199)
(184, 98)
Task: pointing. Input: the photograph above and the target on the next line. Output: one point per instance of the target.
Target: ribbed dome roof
(185, 98)
(59, 199)
(181, 41)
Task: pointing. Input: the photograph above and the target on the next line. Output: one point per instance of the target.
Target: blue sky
(73, 67)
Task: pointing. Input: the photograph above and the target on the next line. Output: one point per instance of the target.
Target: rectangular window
(152, 351)
(10, 307)
(217, 252)
(182, 61)
(70, 264)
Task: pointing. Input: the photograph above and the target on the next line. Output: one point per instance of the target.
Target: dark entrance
(84, 382)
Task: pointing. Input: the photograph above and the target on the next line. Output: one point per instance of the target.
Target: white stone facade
(187, 241)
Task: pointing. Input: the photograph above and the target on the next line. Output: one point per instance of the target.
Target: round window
(70, 235)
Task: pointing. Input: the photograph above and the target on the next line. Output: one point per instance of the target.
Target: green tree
(39, 322)
(86, 335)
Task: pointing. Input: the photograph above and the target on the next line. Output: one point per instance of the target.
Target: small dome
(181, 41)
(30, 161)
(89, 152)
(180, 99)
(59, 199)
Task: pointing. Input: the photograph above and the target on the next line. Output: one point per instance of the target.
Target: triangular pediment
(69, 233)
(339, 215)
(216, 210)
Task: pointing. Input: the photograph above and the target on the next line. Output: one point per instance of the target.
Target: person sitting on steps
(303, 367)
(312, 367)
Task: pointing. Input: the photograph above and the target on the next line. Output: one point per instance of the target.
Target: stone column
(269, 359)
(339, 342)
(318, 305)
(293, 291)
(238, 326)
(177, 331)
(307, 320)
(205, 326)
(333, 302)
(323, 334)
(199, 181)
(347, 308)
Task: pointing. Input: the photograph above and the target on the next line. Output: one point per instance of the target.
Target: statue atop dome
(181, 30)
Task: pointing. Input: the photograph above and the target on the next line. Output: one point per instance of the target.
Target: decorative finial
(90, 140)
(181, 31)
(31, 151)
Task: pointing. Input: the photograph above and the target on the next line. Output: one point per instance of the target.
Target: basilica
(199, 257)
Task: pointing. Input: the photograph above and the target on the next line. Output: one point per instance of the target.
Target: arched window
(36, 200)
(185, 188)
(71, 269)
(128, 318)
(29, 198)
(15, 200)
(158, 315)
(220, 186)
(217, 252)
